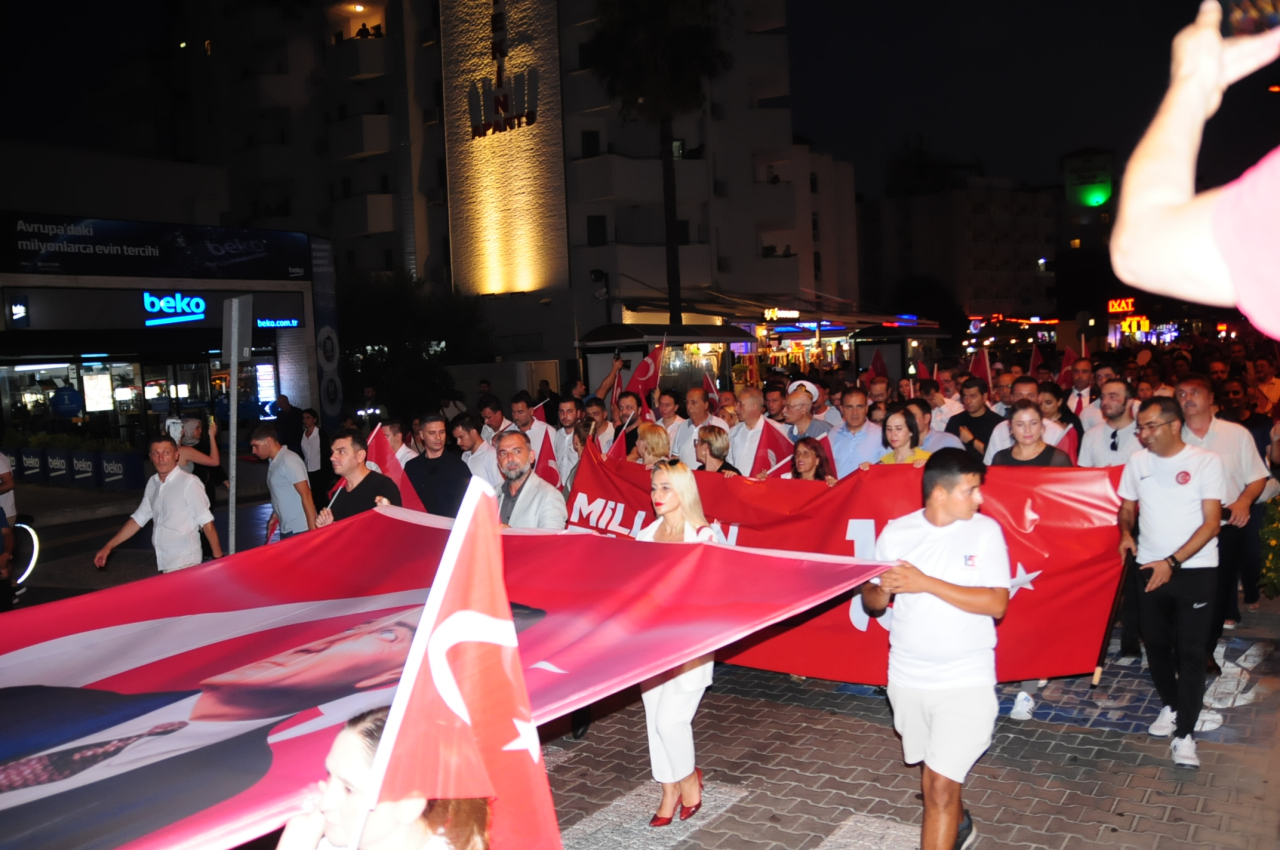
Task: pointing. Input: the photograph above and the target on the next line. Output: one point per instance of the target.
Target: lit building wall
(504, 146)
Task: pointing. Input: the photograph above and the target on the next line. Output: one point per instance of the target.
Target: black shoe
(1211, 667)
(966, 835)
(580, 721)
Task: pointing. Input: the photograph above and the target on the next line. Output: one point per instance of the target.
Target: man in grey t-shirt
(291, 501)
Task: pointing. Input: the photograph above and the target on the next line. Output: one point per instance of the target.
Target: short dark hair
(1025, 404)
(928, 386)
(265, 431)
(573, 399)
(1053, 389)
(467, 422)
(853, 391)
(431, 419)
(908, 417)
(775, 388)
(488, 402)
(1128, 388)
(311, 411)
(163, 438)
(670, 393)
(1263, 358)
(946, 467)
(1079, 360)
(596, 401)
(976, 384)
(920, 405)
(358, 442)
(1197, 378)
(1168, 406)
(1026, 379)
(633, 396)
(522, 396)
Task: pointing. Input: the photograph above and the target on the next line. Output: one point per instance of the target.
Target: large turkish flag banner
(1059, 524)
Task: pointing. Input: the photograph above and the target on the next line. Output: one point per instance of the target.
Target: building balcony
(363, 215)
(359, 58)
(360, 136)
(634, 180)
(640, 271)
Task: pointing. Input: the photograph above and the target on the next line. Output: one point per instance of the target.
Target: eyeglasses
(1153, 426)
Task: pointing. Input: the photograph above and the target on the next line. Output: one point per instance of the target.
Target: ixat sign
(173, 308)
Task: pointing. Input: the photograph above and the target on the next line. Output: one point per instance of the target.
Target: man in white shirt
(522, 415)
(1115, 439)
(315, 454)
(291, 502)
(682, 444)
(941, 407)
(1003, 386)
(495, 422)
(744, 438)
(950, 584)
(176, 502)
(1002, 437)
(1173, 492)
(598, 413)
(477, 454)
(1244, 477)
(930, 440)
(1080, 400)
(568, 414)
(1268, 385)
(400, 446)
(947, 383)
(524, 499)
(668, 417)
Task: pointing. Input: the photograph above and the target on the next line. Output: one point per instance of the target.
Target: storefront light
(41, 367)
(124, 394)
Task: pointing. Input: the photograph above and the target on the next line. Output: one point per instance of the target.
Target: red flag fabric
(753, 370)
(618, 448)
(713, 394)
(584, 633)
(878, 369)
(381, 454)
(825, 442)
(772, 449)
(922, 370)
(1059, 525)
(980, 367)
(1065, 378)
(1070, 443)
(546, 467)
(645, 380)
(539, 413)
(1036, 359)
(461, 723)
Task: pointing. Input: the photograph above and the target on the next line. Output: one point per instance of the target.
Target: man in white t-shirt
(1113, 441)
(950, 585)
(477, 454)
(1174, 492)
(684, 434)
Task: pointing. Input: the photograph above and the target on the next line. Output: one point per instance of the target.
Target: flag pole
(1111, 622)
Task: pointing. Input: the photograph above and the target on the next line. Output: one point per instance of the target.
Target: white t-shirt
(1096, 451)
(933, 644)
(483, 463)
(686, 432)
(1241, 463)
(1169, 492)
(7, 501)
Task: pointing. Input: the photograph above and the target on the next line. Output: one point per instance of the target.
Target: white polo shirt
(1169, 492)
(934, 645)
(1241, 463)
(686, 432)
(743, 443)
(1095, 448)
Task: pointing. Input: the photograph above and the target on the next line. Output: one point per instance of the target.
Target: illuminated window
(1075, 243)
(1106, 218)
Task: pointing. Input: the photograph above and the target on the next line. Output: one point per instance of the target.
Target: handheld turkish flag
(878, 369)
(980, 366)
(460, 725)
(713, 394)
(546, 467)
(381, 454)
(645, 379)
(826, 448)
(1065, 378)
(618, 448)
(1036, 359)
(772, 449)
(1070, 443)
(539, 414)
(922, 370)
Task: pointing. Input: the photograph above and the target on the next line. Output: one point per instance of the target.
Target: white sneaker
(1164, 724)
(1184, 752)
(1023, 705)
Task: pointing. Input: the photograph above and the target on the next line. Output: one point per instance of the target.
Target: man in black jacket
(438, 476)
(975, 424)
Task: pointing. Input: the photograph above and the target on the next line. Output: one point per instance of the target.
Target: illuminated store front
(112, 327)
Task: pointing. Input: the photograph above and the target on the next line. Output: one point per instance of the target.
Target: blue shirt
(851, 450)
(935, 440)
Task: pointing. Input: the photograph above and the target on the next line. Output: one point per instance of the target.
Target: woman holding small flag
(671, 699)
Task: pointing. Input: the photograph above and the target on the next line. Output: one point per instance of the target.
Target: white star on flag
(1021, 580)
(527, 739)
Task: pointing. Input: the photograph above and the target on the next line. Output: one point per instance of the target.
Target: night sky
(1011, 84)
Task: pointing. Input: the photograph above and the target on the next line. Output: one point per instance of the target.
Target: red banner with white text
(195, 709)
(1059, 524)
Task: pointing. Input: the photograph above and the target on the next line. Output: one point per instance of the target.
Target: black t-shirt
(980, 426)
(440, 482)
(351, 502)
(1051, 456)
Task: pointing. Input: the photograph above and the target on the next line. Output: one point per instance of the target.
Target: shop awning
(612, 336)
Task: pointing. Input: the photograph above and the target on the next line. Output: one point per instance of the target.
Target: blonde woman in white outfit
(671, 699)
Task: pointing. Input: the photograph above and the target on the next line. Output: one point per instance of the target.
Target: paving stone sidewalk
(814, 764)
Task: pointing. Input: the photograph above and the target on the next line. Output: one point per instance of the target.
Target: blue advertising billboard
(65, 245)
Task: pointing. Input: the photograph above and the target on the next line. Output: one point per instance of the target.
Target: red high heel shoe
(659, 820)
(687, 812)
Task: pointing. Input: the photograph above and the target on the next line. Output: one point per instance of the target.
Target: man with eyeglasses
(1245, 476)
(1169, 489)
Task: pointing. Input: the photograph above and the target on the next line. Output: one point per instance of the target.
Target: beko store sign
(174, 308)
(59, 308)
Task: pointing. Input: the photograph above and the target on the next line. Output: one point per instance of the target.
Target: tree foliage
(398, 334)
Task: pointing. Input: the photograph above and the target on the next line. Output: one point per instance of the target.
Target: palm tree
(653, 55)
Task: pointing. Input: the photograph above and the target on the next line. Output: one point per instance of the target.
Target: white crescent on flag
(463, 627)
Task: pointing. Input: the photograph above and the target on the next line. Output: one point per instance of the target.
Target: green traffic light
(1095, 195)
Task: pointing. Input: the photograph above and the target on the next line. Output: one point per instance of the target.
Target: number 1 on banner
(863, 534)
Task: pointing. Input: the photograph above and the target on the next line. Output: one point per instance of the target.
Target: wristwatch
(1174, 563)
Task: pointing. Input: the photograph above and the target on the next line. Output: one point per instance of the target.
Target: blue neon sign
(181, 308)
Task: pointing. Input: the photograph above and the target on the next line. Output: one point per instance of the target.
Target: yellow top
(918, 454)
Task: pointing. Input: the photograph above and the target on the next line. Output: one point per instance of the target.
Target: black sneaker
(966, 835)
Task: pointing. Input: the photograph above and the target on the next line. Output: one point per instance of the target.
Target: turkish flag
(713, 394)
(772, 449)
(826, 448)
(1070, 443)
(980, 366)
(381, 454)
(1036, 359)
(922, 370)
(878, 369)
(618, 448)
(546, 467)
(461, 724)
(539, 414)
(753, 370)
(644, 380)
(1065, 378)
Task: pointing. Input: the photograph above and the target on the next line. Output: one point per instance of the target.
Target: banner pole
(1111, 624)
